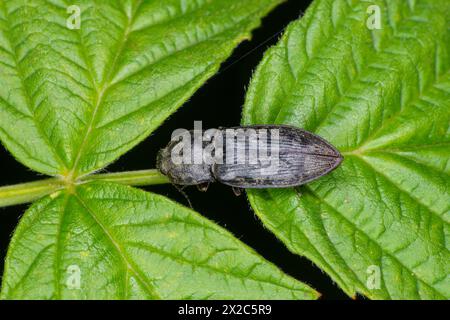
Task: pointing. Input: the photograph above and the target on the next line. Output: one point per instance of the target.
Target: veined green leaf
(382, 97)
(123, 243)
(74, 100)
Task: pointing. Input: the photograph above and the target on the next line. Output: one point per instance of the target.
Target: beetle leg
(298, 191)
(237, 191)
(181, 190)
(203, 187)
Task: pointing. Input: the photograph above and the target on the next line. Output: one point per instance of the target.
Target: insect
(257, 156)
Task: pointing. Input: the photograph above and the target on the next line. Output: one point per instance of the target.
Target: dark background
(218, 103)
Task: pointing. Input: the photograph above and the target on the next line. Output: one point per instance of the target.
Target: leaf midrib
(129, 265)
(372, 137)
(100, 93)
(196, 225)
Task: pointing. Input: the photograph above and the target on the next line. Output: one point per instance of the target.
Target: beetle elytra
(257, 156)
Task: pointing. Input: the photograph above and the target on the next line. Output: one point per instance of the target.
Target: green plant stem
(27, 192)
(30, 191)
(131, 178)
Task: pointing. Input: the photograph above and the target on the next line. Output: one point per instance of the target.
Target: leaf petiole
(30, 191)
(131, 178)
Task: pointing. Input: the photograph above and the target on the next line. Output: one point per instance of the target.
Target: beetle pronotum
(258, 156)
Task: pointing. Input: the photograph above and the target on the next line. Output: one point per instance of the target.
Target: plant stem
(28, 192)
(131, 178)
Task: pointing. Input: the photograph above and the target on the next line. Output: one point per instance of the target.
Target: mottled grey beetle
(259, 156)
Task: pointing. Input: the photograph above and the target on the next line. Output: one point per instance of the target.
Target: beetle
(256, 156)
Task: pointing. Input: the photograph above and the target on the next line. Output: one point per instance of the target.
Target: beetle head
(162, 161)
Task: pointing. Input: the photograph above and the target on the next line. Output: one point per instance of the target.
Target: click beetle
(257, 156)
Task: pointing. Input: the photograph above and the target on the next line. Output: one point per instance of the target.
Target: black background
(218, 103)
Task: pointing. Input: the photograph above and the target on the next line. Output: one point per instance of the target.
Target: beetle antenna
(180, 189)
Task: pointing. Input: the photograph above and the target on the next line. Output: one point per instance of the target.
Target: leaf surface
(382, 97)
(124, 243)
(72, 101)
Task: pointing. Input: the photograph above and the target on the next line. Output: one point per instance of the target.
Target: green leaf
(128, 244)
(73, 101)
(382, 97)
